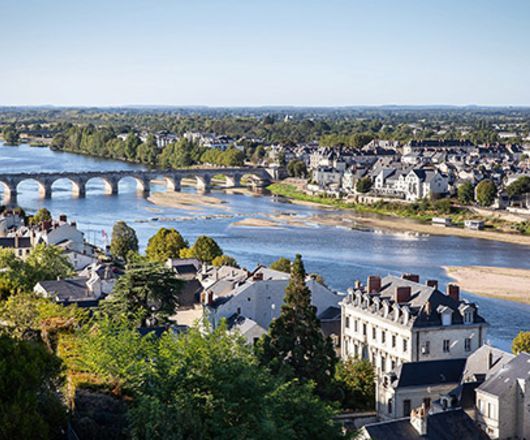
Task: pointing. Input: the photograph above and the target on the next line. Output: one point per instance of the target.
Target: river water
(340, 255)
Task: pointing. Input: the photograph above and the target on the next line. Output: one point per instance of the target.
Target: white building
(503, 400)
(394, 320)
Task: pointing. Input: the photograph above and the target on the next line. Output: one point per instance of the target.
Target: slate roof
(412, 374)
(486, 360)
(422, 298)
(330, 314)
(503, 379)
(70, 289)
(447, 425)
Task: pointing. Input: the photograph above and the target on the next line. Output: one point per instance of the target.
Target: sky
(259, 53)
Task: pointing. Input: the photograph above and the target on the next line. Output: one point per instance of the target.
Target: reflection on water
(340, 255)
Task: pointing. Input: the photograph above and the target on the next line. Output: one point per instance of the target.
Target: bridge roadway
(259, 177)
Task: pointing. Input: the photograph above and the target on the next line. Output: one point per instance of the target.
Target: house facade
(393, 320)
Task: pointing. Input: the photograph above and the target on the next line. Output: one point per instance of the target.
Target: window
(364, 329)
(389, 406)
(383, 336)
(468, 317)
(393, 340)
(405, 345)
(355, 325)
(447, 346)
(406, 408)
(426, 349)
(490, 410)
(347, 322)
(393, 363)
(374, 333)
(467, 344)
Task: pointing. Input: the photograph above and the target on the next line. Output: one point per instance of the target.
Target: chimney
(453, 291)
(207, 297)
(357, 285)
(432, 283)
(403, 294)
(418, 419)
(411, 277)
(373, 284)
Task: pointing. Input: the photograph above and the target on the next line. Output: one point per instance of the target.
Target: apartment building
(393, 320)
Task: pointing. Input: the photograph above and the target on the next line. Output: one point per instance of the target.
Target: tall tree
(124, 239)
(166, 243)
(295, 345)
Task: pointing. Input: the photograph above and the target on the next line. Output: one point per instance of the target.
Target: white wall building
(394, 320)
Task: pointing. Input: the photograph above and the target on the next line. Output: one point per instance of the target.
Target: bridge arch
(143, 183)
(110, 185)
(44, 186)
(77, 185)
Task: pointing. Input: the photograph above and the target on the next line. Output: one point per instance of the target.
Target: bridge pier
(173, 183)
(111, 187)
(233, 181)
(79, 189)
(45, 190)
(204, 183)
(143, 186)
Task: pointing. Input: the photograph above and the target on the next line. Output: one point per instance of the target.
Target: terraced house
(393, 320)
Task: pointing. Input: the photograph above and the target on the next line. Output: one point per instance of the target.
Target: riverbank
(401, 219)
(495, 282)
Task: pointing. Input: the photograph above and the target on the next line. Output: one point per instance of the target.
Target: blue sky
(254, 52)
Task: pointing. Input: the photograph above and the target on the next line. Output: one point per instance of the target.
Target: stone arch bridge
(257, 177)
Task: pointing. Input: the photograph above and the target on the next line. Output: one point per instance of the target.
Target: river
(340, 255)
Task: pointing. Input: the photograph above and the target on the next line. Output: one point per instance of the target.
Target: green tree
(42, 215)
(486, 191)
(166, 243)
(206, 249)
(225, 260)
(131, 145)
(466, 193)
(297, 168)
(295, 345)
(29, 407)
(202, 385)
(147, 294)
(521, 343)
(124, 239)
(363, 185)
(356, 379)
(10, 135)
(233, 158)
(519, 187)
(282, 264)
(48, 263)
